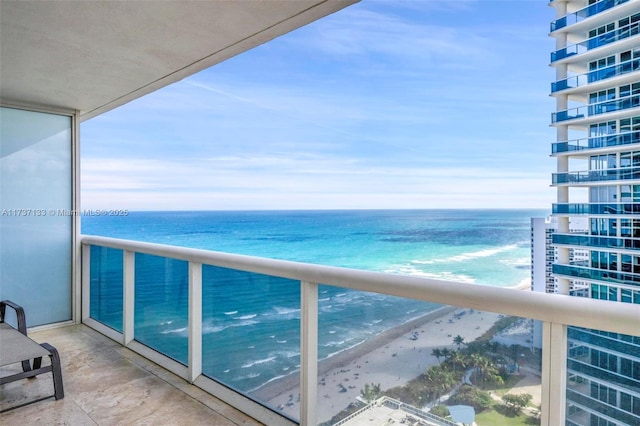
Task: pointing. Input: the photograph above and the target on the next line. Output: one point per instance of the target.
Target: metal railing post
(195, 320)
(86, 282)
(309, 354)
(128, 288)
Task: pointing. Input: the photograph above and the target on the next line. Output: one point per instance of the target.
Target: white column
(195, 320)
(554, 374)
(309, 354)
(128, 288)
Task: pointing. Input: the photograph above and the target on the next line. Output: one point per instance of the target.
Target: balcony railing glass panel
(418, 353)
(596, 274)
(596, 241)
(587, 208)
(584, 13)
(162, 305)
(596, 142)
(597, 41)
(596, 75)
(597, 175)
(106, 286)
(596, 109)
(250, 331)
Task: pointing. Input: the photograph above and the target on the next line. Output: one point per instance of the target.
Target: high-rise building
(597, 148)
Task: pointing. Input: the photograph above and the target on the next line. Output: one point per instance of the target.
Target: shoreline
(391, 358)
(284, 384)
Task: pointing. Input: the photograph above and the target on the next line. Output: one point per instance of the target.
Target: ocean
(251, 323)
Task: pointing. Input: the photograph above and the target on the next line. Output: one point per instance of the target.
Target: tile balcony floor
(107, 384)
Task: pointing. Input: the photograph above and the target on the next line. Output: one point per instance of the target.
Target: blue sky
(385, 104)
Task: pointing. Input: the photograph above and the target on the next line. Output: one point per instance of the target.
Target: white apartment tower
(597, 149)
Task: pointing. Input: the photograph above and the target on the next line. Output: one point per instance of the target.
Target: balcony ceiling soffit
(95, 56)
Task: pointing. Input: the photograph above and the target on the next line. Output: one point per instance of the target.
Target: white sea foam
(336, 343)
(208, 329)
(258, 362)
(231, 313)
(520, 261)
(444, 275)
(286, 311)
(468, 256)
(246, 317)
(176, 330)
(244, 323)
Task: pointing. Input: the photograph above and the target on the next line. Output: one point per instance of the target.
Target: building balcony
(584, 13)
(584, 400)
(596, 274)
(596, 75)
(168, 305)
(596, 241)
(596, 209)
(595, 142)
(584, 46)
(584, 177)
(599, 108)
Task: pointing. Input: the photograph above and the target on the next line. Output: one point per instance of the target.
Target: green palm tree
(437, 352)
(440, 380)
(370, 392)
(456, 360)
(458, 340)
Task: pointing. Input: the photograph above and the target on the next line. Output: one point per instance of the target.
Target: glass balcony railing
(592, 208)
(597, 41)
(596, 109)
(596, 274)
(267, 337)
(596, 241)
(584, 13)
(596, 75)
(106, 286)
(596, 176)
(596, 142)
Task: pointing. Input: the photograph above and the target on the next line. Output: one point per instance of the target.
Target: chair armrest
(22, 319)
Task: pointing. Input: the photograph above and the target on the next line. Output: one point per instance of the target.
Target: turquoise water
(251, 322)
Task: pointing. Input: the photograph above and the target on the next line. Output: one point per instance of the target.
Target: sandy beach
(390, 359)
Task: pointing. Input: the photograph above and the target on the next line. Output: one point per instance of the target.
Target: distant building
(544, 255)
(597, 150)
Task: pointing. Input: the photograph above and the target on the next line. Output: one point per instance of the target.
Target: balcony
(596, 209)
(174, 320)
(584, 13)
(628, 173)
(596, 75)
(596, 241)
(595, 274)
(596, 142)
(599, 108)
(597, 41)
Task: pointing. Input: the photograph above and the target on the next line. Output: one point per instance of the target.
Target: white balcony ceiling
(94, 56)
